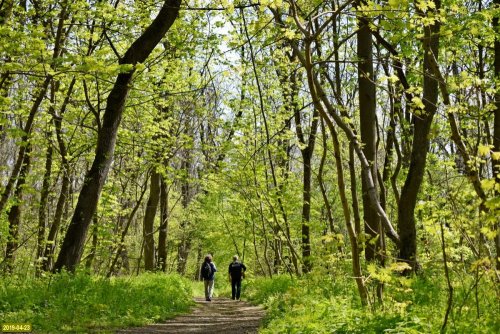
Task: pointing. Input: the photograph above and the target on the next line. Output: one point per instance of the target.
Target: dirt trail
(221, 315)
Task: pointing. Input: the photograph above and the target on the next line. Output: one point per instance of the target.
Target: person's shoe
(207, 299)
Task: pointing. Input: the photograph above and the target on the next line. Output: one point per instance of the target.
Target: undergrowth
(320, 303)
(81, 303)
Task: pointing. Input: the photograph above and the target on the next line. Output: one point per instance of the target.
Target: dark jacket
(236, 270)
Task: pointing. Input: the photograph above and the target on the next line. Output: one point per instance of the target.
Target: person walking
(236, 274)
(207, 273)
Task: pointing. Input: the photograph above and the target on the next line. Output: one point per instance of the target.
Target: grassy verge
(324, 304)
(81, 303)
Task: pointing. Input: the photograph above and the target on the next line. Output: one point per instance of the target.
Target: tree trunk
(496, 124)
(148, 223)
(121, 251)
(58, 43)
(353, 236)
(50, 245)
(422, 121)
(307, 153)
(328, 206)
(24, 139)
(368, 131)
(185, 242)
(95, 240)
(72, 248)
(163, 234)
(42, 210)
(48, 254)
(14, 216)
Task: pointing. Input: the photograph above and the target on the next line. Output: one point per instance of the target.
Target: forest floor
(221, 315)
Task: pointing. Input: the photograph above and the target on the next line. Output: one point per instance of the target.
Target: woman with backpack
(207, 273)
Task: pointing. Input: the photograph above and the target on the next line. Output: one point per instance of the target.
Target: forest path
(221, 315)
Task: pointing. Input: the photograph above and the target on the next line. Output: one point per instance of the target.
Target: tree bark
(163, 234)
(185, 243)
(50, 245)
(95, 241)
(353, 236)
(421, 123)
(148, 223)
(496, 124)
(72, 248)
(58, 43)
(328, 206)
(121, 245)
(42, 210)
(307, 153)
(368, 132)
(14, 216)
(24, 139)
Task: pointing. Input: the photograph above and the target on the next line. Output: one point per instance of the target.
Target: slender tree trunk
(496, 125)
(185, 242)
(148, 223)
(121, 245)
(95, 241)
(354, 197)
(72, 247)
(50, 245)
(368, 127)
(163, 234)
(24, 139)
(14, 216)
(42, 90)
(307, 153)
(321, 182)
(353, 236)
(306, 212)
(42, 210)
(449, 304)
(422, 121)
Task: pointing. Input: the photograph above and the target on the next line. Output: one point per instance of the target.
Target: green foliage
(324, 304)
(81, 303)
(260, 290)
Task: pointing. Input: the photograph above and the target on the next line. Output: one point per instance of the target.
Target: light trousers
(209, 288)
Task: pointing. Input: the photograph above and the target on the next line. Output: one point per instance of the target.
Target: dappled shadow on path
(221, 315)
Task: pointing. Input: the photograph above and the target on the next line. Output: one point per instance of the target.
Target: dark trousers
(235, 288)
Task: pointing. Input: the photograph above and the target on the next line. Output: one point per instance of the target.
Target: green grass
(325, 304)
(81, 303)
(316, 303)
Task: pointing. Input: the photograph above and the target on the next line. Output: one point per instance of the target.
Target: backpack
(206, 270)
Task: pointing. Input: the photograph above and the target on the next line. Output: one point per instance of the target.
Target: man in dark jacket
(207, 272)
(236, 273)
